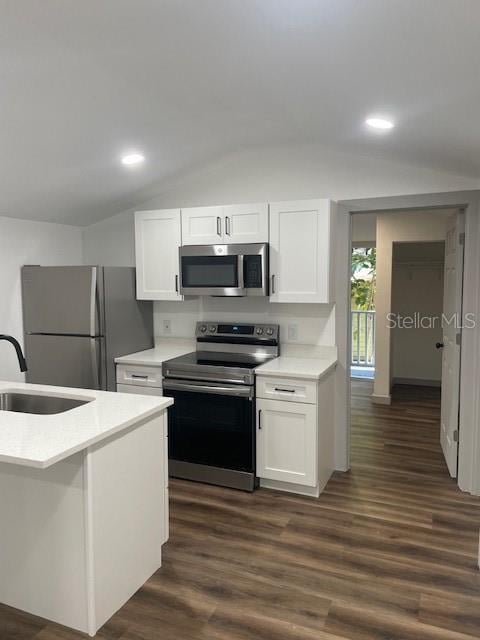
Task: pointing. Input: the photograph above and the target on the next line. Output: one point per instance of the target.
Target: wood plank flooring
(389, 550)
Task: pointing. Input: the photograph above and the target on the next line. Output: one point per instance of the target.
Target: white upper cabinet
(232, 224)
(202, 225)
(245, 223)
(301, 250)
(157, 239)
(300, 235)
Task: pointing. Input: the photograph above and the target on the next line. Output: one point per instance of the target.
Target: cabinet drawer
(289, 389)
(139, 375)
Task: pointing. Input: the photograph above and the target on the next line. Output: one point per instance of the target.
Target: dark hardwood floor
(388, 551)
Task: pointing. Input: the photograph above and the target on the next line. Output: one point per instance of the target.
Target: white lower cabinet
(147, 381)
(287, 441)
(139, 379)
(295, 433)
(143, 391)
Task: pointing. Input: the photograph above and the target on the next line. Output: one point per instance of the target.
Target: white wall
(264, 175)
(412, 226)
(25, 242)
(111, 242)
(364, 229)
(418, 288)
(279, 173)
(315, 323)
(321, 174)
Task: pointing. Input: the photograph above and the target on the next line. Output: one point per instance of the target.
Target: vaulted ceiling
(186, 81)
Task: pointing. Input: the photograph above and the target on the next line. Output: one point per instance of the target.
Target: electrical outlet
(292, 332)
(167, 326)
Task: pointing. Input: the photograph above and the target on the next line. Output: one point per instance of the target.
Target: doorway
(402, 350)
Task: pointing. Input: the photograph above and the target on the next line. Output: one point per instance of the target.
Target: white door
(202, 225)
(287, 442)
(245, 223)
(300, 251)
(452, 310)
(157, 240)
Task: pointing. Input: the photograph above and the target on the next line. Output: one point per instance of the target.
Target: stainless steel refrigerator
(77, 320)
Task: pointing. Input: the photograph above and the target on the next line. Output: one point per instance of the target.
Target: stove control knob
(212, 328)
(259, 331)
(203, 328)
(269, 331)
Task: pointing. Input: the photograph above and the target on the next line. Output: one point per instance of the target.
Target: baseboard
(378, 399)
(290, 487)
(418, 382)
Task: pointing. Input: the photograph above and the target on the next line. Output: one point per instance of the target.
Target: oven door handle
(239, 391)
(204, 378)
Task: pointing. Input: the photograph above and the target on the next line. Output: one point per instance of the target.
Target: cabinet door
(245, 223)
(287, 442)
(157, 240)
(138, 390)
(202, 225)
(301, 251)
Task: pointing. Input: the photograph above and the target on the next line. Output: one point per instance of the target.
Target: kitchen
(243, 415)
(175, 271)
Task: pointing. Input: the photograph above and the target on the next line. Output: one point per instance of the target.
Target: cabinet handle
(219, 226)
(227, 225)
(285, 390)
(139, 377)
(176, 283)
(259, 418)
(273, 283)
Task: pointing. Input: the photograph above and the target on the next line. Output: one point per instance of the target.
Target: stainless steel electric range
(211, 430)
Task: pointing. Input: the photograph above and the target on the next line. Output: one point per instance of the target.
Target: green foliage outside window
(363, 279)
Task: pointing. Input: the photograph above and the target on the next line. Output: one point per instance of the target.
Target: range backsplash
(315, 323)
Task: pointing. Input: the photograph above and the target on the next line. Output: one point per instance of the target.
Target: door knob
(439, 345)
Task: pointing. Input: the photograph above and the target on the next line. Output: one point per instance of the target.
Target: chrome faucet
(21, 359)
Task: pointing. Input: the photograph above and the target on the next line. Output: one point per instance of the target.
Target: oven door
(211, 424)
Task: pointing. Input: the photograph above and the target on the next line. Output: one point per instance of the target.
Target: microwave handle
(241, 278)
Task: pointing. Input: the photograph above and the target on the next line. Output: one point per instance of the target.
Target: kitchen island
(83, 499)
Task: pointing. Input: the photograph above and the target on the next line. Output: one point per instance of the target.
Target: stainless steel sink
(39, 404)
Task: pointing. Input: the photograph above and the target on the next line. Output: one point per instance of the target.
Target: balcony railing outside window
(363, 338)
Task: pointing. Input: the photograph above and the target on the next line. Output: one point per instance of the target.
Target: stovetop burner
(221, 357)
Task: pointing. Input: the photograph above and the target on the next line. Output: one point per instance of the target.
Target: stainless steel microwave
(224, 270)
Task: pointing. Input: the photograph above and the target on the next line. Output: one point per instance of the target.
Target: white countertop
(294, 367)
(42, 440)
(162, 351)
(297, 363)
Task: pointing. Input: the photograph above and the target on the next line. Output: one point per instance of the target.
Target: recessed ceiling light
(132, 158)
(379, 123)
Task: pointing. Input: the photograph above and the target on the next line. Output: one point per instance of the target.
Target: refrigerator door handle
(95, 362)
(93, 302)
